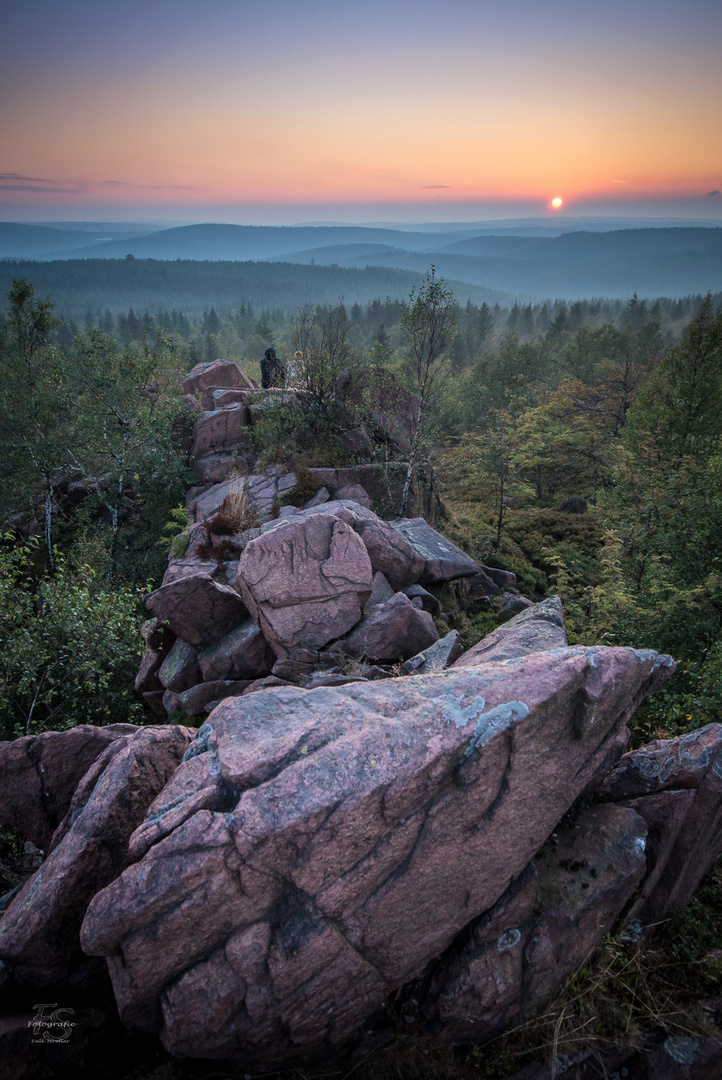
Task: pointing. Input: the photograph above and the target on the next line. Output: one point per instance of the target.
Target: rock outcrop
(334, 841)
(318, 850)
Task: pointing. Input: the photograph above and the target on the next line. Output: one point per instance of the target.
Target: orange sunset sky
(243, 110)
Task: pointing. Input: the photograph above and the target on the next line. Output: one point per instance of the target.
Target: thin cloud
(19, 176)
(711, 194)
(433, 187)
(43, 190)
(149, 187)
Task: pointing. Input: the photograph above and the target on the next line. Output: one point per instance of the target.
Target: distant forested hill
(118, 284)
(616, 263)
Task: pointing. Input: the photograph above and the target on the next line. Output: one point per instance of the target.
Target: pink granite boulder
(198, 609)
(39, 774)
(214, 373)
(341, 839)
(305, 582)
(244, 653)
(538, 629)
(39, 930)
(390, 631)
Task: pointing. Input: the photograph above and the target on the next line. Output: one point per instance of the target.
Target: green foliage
(177, 536)
(307, 485)
(69, 648)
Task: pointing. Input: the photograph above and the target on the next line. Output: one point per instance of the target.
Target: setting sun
(556, 202)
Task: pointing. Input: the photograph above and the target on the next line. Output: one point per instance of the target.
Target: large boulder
(390, 553)
(443, 561)
(214, 373)
(198, 609)
(392, 630)
(305, 582)
(39, 930)
(537, 629)
(320, 847)
(39, 774)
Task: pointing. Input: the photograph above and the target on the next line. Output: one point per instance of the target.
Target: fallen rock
(38, 775)
(305, 582)
(514, 605)
(538, 629)
(688, 836)
(243, 653)
(542, 929)
(180, 669)
(347, 834)
(39, 930)
(428, 601)
(322, 496)
(198, 609)
(393, 630)
(443, 560)
(503, 579)
(438, 656)
(193, 701)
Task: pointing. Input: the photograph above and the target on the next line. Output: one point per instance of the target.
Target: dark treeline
(193, 285)
(242, 334)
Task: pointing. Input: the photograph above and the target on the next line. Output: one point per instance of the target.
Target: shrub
(69, 648)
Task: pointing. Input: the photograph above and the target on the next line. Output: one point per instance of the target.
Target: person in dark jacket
(272, 373)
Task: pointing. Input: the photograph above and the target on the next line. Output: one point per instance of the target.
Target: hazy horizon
(271, 112)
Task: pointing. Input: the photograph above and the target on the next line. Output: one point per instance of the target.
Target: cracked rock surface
(317, 849)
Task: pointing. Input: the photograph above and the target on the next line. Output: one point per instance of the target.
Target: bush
(69, 648)
(235, 514)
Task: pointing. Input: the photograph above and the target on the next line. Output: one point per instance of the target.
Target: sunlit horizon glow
(267, 106)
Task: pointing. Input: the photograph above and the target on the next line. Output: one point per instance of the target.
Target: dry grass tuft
(235, 514)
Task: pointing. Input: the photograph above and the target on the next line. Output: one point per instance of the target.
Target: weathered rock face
(538, 629)
(39, 774)
(390, 553)
(214, 373)
(544, 926)
(443, 560)
(676, 786)
(222, 429)
(393, 630)
(39, 931)
(179, 671)
(244, 653)
(325, 845)
(198, 609)
(305, 582)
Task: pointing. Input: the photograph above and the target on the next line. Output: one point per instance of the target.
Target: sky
(285, 111)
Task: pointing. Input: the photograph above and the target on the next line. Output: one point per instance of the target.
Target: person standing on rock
(272, 372)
